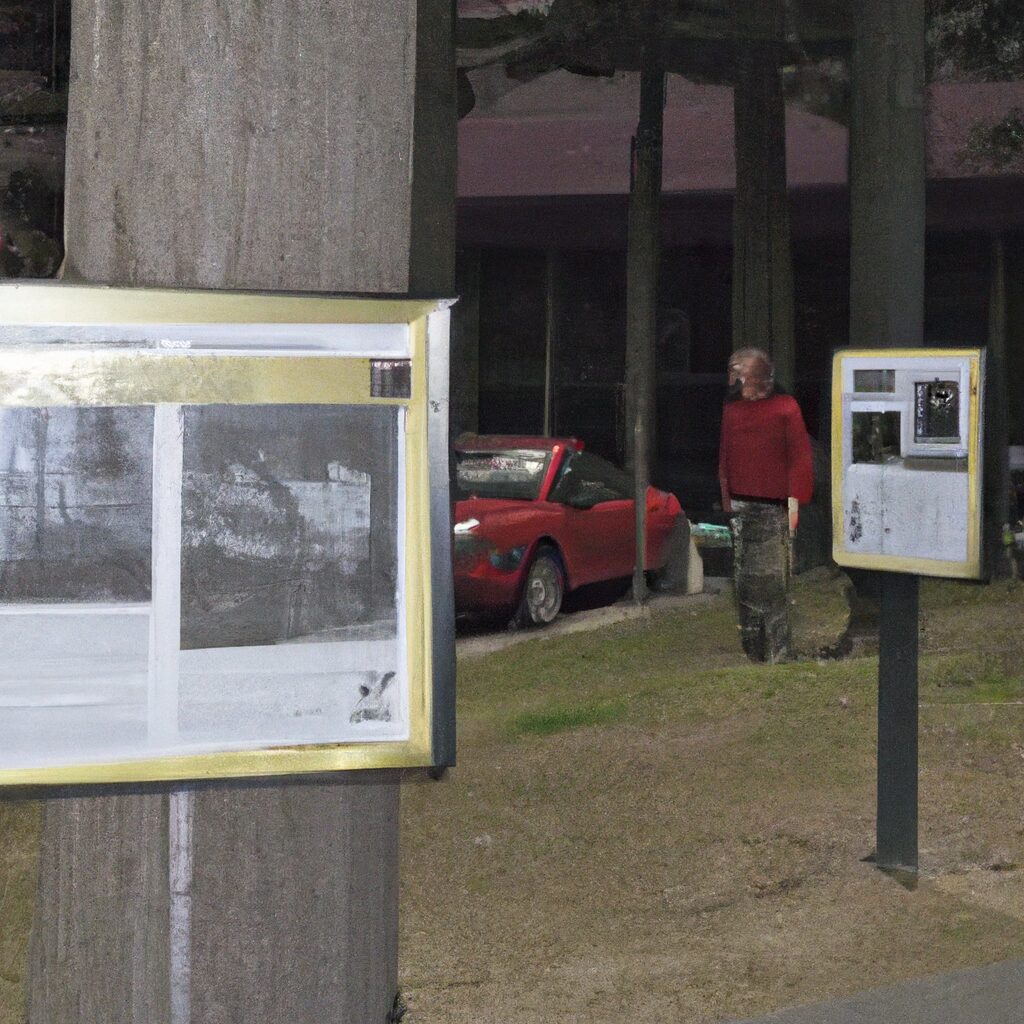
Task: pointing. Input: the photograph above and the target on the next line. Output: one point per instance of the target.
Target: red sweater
(765, 451)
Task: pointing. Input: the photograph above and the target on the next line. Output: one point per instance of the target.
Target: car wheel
(542, 592)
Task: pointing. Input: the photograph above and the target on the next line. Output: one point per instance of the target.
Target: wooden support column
(996, 431)
(762, 283)
(551, 297)
(464, 386)
(642, 299)
(887, 174)
(279, 145)
(887, 223)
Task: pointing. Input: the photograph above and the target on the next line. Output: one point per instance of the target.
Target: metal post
(896, 833)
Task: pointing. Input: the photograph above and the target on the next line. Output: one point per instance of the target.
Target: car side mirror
(582, 502)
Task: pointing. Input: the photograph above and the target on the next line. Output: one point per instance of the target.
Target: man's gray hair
(755, 353)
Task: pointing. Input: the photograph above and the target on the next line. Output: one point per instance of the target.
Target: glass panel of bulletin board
(223, 534)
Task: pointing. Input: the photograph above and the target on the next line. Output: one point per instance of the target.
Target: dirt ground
(644, 827)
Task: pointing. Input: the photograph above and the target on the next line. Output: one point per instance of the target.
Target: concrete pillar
(287, 144)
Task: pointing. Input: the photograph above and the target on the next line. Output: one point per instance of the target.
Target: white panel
(165, 624)
(291, 693)
(862, 509)
(86, 700)
(925, 513)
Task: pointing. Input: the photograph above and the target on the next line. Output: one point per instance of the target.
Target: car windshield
(509, 473)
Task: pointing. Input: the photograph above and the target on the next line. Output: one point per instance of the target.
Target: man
(765, 471)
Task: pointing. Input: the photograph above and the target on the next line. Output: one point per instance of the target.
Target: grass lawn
(643, 826)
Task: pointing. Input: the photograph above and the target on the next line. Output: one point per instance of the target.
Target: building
(543, 187)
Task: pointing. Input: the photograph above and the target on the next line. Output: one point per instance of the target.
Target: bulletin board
(907, 460)
(224, 534)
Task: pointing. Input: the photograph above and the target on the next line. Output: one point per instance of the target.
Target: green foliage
(998, 146)
(980, 40)
(26, 211)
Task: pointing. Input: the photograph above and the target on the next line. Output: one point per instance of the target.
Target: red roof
(563, 134)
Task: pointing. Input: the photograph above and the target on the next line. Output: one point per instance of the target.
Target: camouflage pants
(760, 534)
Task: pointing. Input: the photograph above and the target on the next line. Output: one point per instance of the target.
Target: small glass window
(876, 437)
(588, 480)
(874, 381)
(937, 412)
(515, 474)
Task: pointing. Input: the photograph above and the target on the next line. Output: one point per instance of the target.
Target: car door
(598, 510)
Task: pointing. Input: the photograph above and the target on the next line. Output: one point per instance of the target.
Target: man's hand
(794, 513)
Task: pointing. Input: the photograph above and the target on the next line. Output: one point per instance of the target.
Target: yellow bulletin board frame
(971, 567)
(34, 374)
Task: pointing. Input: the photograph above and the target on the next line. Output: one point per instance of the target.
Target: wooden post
(642, 299)
(227, 145)
(996, 501)
(887, 174)
(887, 223)
(550, 337)
(762, 283)
(464, 385)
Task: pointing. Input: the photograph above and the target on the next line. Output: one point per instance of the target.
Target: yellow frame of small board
(971, 567)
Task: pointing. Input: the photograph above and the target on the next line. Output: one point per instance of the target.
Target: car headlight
(507, 560)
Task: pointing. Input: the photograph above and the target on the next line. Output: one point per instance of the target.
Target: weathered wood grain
(256, 145)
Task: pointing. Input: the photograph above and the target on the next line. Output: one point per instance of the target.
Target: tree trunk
(642, 298)
(762, 284)
(464, 387)
(224, 145)
(551, 309)
(887, 175)
(996, 430)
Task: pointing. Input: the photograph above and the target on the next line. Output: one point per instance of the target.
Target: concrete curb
(978, 995)
(586, 621)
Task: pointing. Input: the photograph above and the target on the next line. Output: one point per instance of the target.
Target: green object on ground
(711, 535)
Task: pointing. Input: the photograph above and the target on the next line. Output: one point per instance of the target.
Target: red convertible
(536, 517)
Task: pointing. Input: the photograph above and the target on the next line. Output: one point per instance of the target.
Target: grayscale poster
(75, 504)
(199, 577)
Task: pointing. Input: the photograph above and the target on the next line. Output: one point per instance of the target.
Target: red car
(536, 517)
